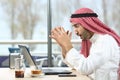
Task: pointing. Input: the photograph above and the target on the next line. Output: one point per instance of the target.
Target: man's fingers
(62, 30)
(70, 35)
(56, 32)
(67, 32)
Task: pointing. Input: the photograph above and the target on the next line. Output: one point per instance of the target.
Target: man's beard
(85, 35)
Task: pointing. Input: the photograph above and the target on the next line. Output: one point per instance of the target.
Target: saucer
(35, 75)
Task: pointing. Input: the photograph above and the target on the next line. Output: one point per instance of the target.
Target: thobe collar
(94, 37)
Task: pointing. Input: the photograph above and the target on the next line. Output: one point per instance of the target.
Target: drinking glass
(19, 68)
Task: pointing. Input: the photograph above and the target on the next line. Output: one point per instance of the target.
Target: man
(100, 46)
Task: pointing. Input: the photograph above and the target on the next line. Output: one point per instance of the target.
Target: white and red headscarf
(88, 19)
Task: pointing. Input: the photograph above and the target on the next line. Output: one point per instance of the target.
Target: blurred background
(26, 22)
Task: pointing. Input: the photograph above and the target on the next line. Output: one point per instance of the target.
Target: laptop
(46, 70)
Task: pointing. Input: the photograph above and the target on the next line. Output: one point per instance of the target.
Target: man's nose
(75, 30)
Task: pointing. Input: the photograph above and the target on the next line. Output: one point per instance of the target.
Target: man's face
(80, 31)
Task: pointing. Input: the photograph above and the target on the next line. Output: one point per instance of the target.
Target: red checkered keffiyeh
(93, 24)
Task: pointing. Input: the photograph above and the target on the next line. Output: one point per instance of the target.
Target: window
(25, 21)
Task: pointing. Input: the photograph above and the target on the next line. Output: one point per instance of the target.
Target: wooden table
(9, 74)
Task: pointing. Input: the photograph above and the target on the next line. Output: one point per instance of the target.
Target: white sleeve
(85, 65)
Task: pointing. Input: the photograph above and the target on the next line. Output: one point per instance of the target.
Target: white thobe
(102, 61)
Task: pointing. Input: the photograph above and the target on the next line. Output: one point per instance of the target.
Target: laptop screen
(25, 52)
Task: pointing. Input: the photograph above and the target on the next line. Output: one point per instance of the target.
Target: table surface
(9, 74)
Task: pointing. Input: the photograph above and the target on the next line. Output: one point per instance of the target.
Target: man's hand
(62, 38)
